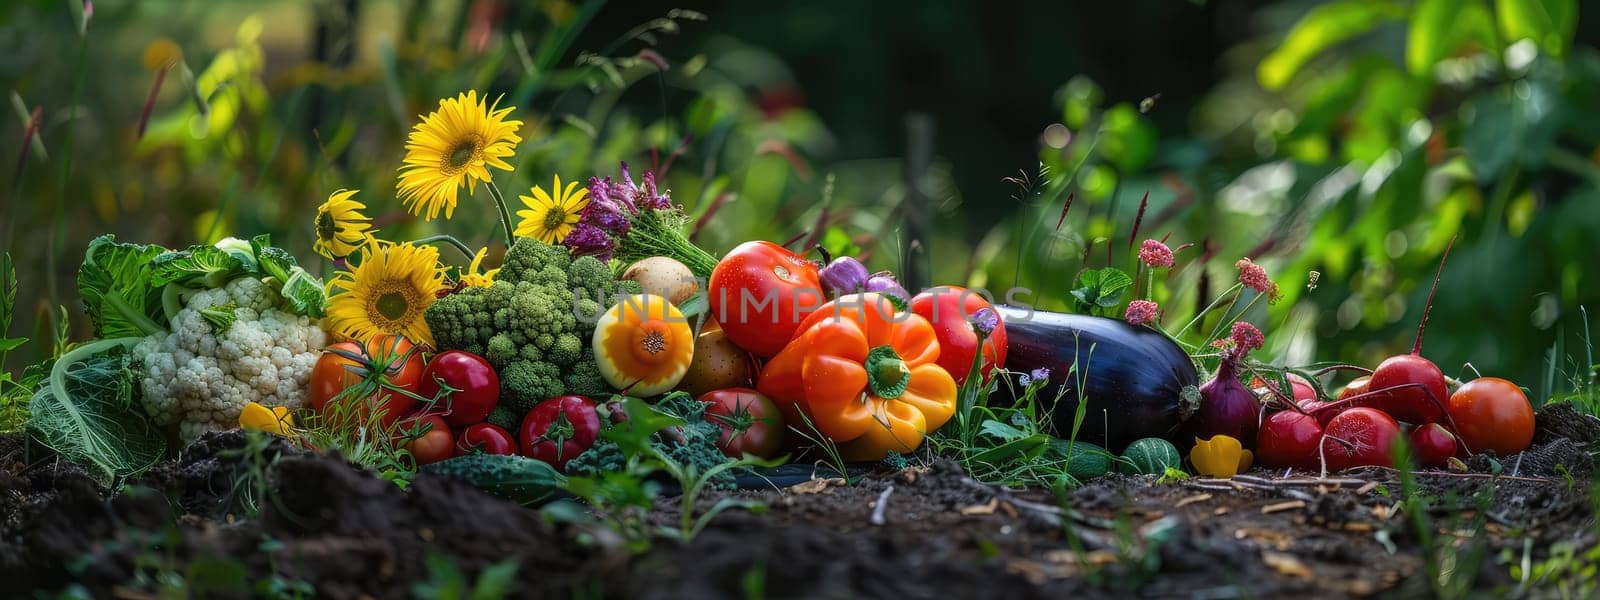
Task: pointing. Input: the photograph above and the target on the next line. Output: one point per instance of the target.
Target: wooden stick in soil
(883, 501)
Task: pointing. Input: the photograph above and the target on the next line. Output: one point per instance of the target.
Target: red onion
(1227, 407)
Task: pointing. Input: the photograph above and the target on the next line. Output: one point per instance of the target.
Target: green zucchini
(516, 478)
(1085, 461)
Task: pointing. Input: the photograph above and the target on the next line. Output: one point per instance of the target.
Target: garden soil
(326, 528)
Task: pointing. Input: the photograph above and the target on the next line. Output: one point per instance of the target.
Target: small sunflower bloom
(275, 420)
(1221, 456)
(454, 147)
(474, 277)
(386, 293)
(340, 227)
(1142, 312)
(549, 218)
(1155, 254)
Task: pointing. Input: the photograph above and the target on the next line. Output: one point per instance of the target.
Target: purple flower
(984, 321)
(1039, 374)
(588, 240)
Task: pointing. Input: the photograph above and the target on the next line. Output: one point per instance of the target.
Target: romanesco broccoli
(532, 324)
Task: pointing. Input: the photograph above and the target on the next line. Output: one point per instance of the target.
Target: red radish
(1359, 385)
(1288, 439)
(1423, 404)
(1433, 445)
(1360, 437)
(1303, 390)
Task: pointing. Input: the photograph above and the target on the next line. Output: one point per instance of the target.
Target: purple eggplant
(1136, 381)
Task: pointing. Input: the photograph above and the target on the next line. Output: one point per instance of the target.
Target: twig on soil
(883, 501)
(1282, 506)
(1449, 475)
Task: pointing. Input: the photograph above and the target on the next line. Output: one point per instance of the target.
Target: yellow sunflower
(454, 147)
(386, 292)
(473, 278)
(550, 218)
(341, 228)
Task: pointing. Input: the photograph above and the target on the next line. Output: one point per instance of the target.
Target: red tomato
(1433, 445)
(336, 370)
(759, 293)
(1288, 439)
(487, 438)
(477, 386)
(950, 310)
(560, 428)
(429, 438)
(1492, 414)
(1411, 404)
(750, 422)
(1360, 437)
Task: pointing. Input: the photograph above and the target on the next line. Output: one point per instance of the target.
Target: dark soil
(327, 528)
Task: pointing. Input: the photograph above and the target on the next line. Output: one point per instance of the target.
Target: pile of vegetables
(607, 347)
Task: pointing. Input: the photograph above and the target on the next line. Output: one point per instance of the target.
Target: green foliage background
(1350, 138)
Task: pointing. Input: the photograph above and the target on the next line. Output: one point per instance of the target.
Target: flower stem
(449, 240)
(1202, 314)
(505, 214)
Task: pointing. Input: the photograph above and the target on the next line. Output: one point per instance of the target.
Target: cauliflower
(227, 347)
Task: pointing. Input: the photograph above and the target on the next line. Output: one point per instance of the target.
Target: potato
(664, 277)
(717, 363)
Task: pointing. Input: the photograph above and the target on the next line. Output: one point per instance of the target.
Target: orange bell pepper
(865, 374)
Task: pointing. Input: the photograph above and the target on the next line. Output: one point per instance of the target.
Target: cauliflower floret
(199, 378)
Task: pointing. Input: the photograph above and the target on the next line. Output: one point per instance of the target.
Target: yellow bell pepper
(275, 420)
(1221, 456)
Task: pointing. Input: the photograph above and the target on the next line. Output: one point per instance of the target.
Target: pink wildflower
(1155, 254)
(1142, 312)
(1246, 337)
(1255, 278)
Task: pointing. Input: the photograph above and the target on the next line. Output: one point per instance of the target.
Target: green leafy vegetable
(114, 282)
(1100, 289)
(85, 412)
(221, 317)
(275, 262)
(209, 266)
(241, 250)
(304, 293)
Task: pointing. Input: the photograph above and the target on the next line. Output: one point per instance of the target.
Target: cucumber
(516, 478)
(1149, 456)
(1085, 461)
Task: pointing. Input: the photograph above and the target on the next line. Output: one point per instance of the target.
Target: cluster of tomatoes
(436, 408)
(1360, 426)
(387, 385)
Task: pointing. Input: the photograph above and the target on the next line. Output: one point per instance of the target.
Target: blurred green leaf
(1321, 28)
(1440, 27)
(1549, 23)
(1514, 122)
(1127, 139)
